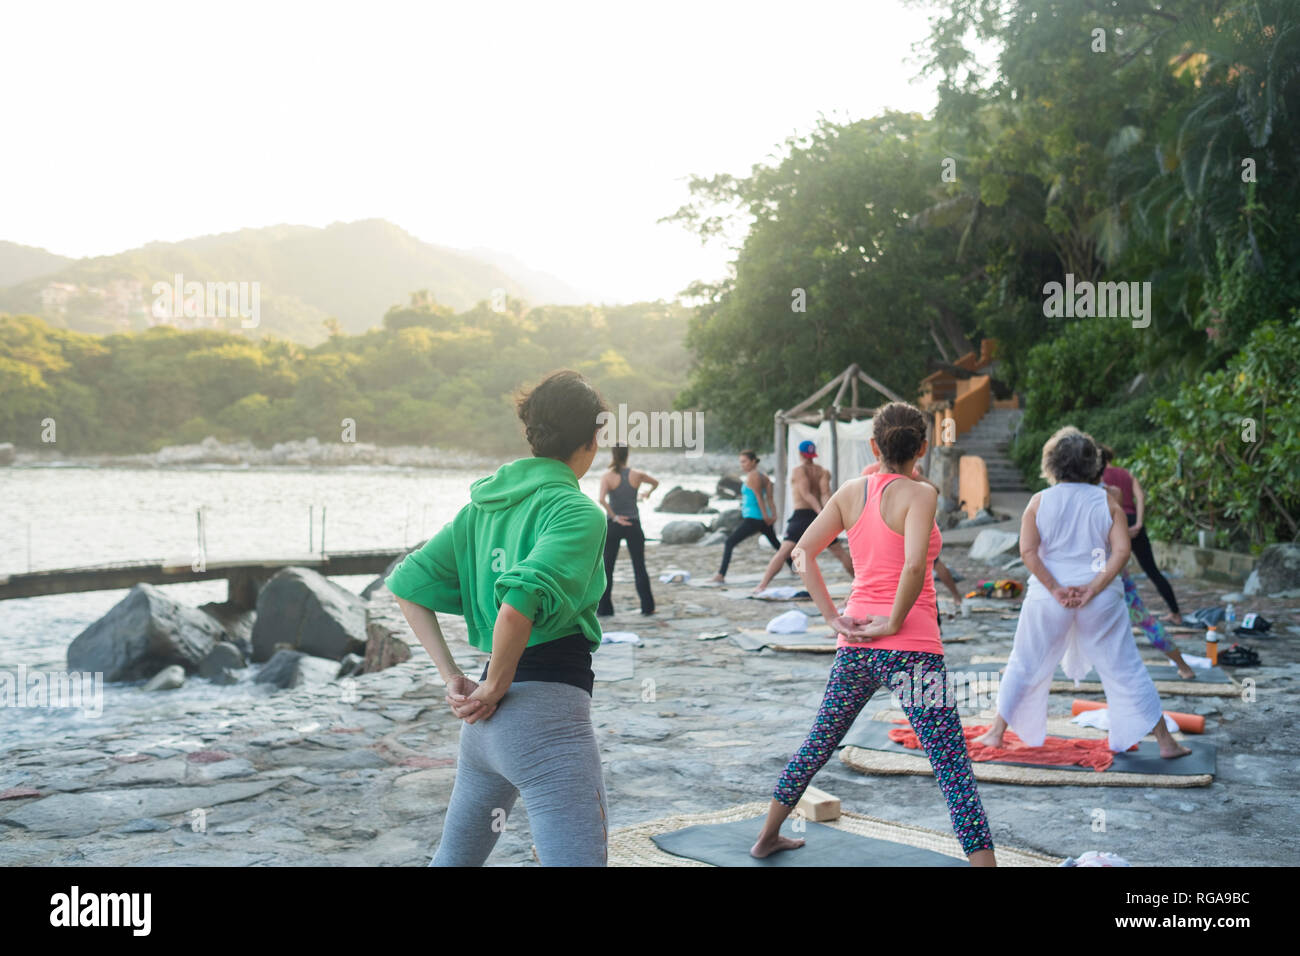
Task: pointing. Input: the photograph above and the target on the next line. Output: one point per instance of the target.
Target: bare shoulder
(924, 491)
(850, 496)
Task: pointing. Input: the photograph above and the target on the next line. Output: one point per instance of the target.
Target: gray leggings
(540, 744)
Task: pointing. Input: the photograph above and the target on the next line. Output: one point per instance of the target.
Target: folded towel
(791, 622)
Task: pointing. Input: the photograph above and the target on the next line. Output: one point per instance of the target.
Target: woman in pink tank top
(889, 631)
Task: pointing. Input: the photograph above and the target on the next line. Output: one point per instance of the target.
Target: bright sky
(557, 132)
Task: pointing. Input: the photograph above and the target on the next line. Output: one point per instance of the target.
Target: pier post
(243, 585)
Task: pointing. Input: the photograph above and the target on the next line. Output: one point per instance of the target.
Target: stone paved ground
(241, 775)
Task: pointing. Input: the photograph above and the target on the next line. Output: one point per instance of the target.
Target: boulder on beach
(369, 590)
(221, 664)
(682, 532)
(983, 516)
(169, 678)
(387, 634)
(727, 521)
(306, 611)
(990, 543)
(236, 621)
(728, 487)
(679, 501)
(7, 453)
(143, 633)
(1279, 568)
(293, 668)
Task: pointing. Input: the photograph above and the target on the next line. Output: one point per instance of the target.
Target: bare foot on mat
(1173, 749)
(765, 848)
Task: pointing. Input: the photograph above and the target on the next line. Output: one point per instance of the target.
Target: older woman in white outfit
(1074, 540)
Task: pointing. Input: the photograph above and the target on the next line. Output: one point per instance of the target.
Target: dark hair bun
(899, 430)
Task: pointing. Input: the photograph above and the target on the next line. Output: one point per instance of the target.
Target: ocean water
(74, 516)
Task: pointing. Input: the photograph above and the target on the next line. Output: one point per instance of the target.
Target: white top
(1074, 523)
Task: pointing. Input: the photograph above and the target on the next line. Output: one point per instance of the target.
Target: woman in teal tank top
(757, 512)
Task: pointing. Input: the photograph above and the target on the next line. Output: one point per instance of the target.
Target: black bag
(1254, 624)
(1238, 656)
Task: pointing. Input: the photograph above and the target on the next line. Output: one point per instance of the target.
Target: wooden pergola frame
(807, 412)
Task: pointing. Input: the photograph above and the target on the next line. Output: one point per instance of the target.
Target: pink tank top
(878, 557)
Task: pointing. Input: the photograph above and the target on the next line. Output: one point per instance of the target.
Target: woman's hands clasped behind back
(1074, 597)
(469, 701)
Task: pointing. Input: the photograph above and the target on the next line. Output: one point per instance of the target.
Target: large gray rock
(682, 532)
(7, 453)
(291, 669)
(388, 636)
(727, 521)
(679, 501)
(983, 516)
(305, 611)
(990, 543)
(1279, 568)
(236, 621)
(369, 590)
(222, 664)
(169, 678)
(143, 633)
(728, 487)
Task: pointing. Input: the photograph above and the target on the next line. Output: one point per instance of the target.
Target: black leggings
(635, 538)
(1142, 551)
(747, 528)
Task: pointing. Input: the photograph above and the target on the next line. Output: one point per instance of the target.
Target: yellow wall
(973, 483)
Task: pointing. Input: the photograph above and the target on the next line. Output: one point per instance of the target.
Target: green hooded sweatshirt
(528, 538)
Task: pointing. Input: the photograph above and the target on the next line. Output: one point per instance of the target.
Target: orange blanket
(1055, 751)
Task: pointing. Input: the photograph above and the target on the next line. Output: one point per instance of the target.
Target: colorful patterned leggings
(857, 674)
(1139, 615)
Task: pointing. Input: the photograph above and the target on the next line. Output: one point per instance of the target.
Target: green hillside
(20, 263)
(429, 376)
(352, 272)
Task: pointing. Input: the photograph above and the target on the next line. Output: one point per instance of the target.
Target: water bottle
(1212, 645)
(1230, 619)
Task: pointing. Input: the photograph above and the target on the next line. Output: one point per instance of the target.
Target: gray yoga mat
(874, 735)
(1160, 672)
(727, 844)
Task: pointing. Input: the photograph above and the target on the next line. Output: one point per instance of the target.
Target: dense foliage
(1233, 447)
(1116, 141)
(430, 377)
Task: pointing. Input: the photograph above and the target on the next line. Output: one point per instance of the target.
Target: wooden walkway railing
(245, 575)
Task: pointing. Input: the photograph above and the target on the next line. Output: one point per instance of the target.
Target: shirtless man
(810, 485)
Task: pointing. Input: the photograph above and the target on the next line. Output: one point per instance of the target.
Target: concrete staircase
(989, 439)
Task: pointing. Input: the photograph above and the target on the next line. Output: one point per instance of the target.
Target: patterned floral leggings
(857, 674)
(1139, 615)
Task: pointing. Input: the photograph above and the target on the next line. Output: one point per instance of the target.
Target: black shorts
(798, 523)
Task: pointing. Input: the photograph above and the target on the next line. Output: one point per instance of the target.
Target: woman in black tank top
(618, 496)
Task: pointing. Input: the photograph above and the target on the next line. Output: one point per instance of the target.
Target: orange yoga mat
(1187, 723)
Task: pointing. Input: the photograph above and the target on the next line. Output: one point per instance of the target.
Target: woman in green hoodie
(523, 563)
